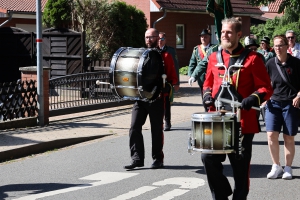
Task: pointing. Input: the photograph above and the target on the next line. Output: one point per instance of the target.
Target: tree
(108, 26)
(279, 25)
(293, 4)
(57, 13)
(290, 15)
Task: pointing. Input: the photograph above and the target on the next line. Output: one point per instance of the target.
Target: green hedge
(183, 70)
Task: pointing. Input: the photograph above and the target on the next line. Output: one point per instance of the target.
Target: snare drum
(136, 73)
(213, 133)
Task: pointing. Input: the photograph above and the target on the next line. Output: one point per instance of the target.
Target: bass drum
(136, 73)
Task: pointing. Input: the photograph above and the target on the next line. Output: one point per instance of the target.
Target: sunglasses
(290, 37)
(162, 39)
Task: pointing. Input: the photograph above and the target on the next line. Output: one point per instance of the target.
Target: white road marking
(184, 182)
(101, 177)
(171, 194)
(134, 193)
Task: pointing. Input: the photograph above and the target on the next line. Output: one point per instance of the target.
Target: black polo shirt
(291, 71)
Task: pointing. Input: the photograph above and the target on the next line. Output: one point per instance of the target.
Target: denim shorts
(282, 115)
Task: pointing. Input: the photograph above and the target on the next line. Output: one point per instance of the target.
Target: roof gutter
(9, 18)
(164, 16)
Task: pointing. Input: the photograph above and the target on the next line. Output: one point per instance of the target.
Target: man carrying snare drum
(155, 110)
(253, 84)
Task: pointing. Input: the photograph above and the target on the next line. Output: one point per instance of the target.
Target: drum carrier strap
(225, 93)
(237, 124)
(240, 59)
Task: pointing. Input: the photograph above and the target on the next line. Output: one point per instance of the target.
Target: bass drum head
(123, 72)
(135, 73)
(152, 71)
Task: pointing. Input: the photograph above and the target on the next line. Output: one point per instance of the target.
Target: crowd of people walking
(268, 78)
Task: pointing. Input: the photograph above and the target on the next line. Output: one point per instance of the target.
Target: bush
(57, 13)
(184, 70)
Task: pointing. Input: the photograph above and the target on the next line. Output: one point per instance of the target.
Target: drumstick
(100, 82)
(164, 76)
(236, 103)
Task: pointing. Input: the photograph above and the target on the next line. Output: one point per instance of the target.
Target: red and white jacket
(252, 77)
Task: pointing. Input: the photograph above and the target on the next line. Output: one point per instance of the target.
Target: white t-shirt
(295, 51)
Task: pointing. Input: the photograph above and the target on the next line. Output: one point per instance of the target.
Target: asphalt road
(94, 170)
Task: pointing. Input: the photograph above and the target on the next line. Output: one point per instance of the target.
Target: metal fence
(68, 94)
(79, 92)
(18, 100)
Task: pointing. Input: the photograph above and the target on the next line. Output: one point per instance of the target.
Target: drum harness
(164, 76)
(227, 85)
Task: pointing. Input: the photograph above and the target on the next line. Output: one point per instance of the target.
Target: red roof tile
(238, 6)
(274, 6)
(21, 5)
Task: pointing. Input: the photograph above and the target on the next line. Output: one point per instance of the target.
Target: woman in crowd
(282, 108)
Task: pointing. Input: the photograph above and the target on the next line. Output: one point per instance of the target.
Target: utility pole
(39, 41)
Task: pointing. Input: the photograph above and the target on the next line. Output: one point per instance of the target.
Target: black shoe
(157, 164)
(134, 164)
(167, 127)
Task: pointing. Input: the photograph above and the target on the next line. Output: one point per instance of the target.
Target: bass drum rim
(144, 59)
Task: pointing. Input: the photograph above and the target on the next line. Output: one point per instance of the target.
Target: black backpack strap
(283, 77)
(242, 57)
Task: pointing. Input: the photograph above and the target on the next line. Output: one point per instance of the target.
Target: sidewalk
(71, 129)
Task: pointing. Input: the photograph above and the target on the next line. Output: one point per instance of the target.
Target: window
(179, 35)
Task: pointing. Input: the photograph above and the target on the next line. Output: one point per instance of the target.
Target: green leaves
(279, 25)
(108, 25)
(111, 26)
(57, 13)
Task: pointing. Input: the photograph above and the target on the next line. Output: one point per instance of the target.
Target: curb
(43, 147)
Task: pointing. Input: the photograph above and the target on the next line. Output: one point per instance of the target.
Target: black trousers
(167, 110)
(218, 183)
(140, 111)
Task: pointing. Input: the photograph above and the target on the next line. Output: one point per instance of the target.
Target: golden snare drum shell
(213, 132)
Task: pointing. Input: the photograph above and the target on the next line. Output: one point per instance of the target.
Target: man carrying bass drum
(253, 84)
(155, 110)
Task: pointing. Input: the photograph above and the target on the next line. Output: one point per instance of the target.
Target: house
(19, 13)
(186, 19)
(271, 10)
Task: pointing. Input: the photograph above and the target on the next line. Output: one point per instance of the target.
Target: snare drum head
(207, 116)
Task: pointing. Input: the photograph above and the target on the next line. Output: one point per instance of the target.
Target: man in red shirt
(155, 110)
(253, 84)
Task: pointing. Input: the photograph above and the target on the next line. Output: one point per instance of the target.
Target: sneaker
(275, 171)
(288, 174)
